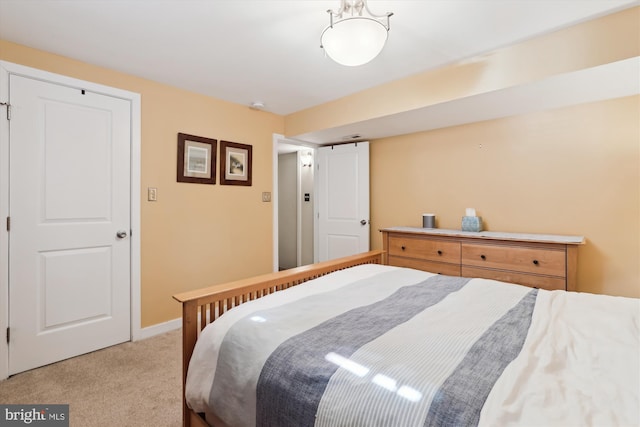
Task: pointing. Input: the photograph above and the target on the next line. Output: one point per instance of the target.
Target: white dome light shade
(354, 41)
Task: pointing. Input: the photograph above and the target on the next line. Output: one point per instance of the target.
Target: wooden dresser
(538, 260)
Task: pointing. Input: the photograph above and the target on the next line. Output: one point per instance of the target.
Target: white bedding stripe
(260, 340)
(486, 302)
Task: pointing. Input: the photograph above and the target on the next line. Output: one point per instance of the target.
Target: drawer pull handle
(402, 247)
(439, 252)
(535, 261)
(483, 257)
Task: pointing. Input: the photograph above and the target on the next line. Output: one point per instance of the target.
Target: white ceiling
(268, 50)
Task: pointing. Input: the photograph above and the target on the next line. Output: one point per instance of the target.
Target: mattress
(377, 345)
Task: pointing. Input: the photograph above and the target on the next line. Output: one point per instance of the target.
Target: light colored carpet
(134, 384)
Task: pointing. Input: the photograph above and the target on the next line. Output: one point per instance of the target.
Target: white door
(343, 200)
(69, 204)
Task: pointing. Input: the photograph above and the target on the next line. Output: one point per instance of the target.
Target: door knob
(363, 222)
(121, 234)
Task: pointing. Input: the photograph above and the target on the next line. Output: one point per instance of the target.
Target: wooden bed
(380, 344)
(203, 306)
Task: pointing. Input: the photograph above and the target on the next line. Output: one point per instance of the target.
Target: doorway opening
(293, 204)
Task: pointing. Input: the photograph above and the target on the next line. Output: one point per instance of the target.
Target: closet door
(70, 209)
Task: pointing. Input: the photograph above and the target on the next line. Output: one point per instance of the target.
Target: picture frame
(196, 159)
(235, 163)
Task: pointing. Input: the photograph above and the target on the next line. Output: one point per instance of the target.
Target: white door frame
(7, 69)
(277, 138)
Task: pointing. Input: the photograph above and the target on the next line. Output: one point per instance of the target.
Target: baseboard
(158, 329)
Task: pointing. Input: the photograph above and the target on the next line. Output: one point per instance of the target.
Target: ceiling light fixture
(353, 39)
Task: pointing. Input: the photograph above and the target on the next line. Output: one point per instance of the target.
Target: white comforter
(579, 365)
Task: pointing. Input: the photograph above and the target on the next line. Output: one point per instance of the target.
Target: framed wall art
(196, 159)
(235, 163)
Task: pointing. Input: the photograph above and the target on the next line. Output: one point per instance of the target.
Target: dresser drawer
(426, 249)
(430, 266)
(551, 262)
(538, 260)
(534, 281)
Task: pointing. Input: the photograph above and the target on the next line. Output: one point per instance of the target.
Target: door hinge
(8, 335)
(8, 109)
(8, 223)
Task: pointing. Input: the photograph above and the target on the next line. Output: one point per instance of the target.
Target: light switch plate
(152, 194)
(266, 196)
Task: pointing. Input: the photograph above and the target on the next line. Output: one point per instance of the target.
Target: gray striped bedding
(372, 346)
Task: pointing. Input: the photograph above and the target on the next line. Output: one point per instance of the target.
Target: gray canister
(428, 220)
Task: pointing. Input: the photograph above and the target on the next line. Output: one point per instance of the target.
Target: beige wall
(194, 235)
(571, 171)
(568, 171)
